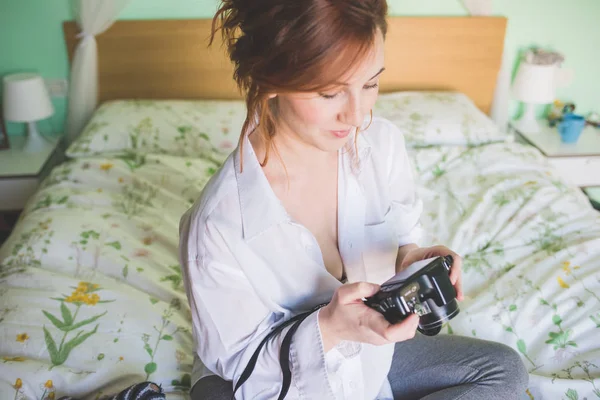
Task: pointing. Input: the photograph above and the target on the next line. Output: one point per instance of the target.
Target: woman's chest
(294, 258)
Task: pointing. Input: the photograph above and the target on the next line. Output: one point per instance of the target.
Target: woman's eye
(373, 86)
(329, 96)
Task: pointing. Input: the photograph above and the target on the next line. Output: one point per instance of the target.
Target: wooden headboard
(169, 59)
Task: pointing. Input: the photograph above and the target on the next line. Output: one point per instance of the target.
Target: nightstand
(578, 163)
(20, 175)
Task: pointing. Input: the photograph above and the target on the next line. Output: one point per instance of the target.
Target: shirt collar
(260, 207)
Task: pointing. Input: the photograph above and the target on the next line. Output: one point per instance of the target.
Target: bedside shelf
(15, 163)
(21, 173)
(549, 143)
(578, 163)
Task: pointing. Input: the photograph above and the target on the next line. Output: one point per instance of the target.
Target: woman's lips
(341, 134)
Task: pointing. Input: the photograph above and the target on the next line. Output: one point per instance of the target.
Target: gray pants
(442, 367)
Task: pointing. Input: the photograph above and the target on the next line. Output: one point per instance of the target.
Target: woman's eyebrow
(373, 77)
(380, 71)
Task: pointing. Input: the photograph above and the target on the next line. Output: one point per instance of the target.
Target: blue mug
(570, 127)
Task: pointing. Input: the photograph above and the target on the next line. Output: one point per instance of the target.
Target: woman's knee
(510, 366)
(212, 388)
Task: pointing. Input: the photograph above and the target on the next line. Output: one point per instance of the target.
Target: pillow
(438, 118)
(174, 127)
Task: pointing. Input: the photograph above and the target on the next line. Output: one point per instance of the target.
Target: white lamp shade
(535, 84)
(26, 98)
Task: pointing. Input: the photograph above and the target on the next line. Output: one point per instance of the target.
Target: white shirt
(247, 266)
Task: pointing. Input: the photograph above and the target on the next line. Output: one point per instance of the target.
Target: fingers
(353, 292)
(456, 275)
(403, 330)
(382, 332)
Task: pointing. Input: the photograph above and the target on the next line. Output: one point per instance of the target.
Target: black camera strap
(284, 352)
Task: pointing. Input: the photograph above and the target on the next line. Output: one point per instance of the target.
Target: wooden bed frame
(169, 59)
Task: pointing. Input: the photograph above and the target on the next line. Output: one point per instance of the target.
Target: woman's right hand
(346, 317)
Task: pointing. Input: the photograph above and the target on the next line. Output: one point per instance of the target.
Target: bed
(90, 288)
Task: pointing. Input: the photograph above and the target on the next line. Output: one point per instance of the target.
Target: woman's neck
(290, 153)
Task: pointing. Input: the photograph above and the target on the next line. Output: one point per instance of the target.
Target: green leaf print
(512, 307)
(572, 394)
(84, 322)
(116, 245)
(51, 345)
(556, 319)
(176, 278)
(560, 340)
(596, 320)
(521, 346)
(162, 335)
(150, 368)
(84, 294)
(184, 382)
(55, 321)
(76, 341)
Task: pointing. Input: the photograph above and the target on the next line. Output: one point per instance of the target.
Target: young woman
(317, 203)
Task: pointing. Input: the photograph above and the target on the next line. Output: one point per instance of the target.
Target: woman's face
(325, 120)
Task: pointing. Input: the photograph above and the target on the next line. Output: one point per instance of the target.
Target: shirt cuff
(309, 370)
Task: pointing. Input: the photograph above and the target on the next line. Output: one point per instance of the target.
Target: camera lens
(430, 332)
(431, 324)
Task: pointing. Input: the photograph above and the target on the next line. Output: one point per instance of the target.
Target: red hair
(283, 46)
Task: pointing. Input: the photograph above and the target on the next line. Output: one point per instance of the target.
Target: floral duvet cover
(91, 297)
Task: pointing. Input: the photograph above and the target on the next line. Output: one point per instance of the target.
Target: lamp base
(527, 123)
(35, 143)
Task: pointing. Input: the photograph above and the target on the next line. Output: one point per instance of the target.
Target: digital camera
(424, 288)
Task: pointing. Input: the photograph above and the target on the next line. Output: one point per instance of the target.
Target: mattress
(92, 298)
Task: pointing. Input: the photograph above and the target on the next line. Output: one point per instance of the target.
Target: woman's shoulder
(218, 201)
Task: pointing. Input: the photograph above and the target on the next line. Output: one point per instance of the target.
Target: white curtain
(93, 18)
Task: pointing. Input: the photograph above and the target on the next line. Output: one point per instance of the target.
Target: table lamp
(26, 99)
(534, 84)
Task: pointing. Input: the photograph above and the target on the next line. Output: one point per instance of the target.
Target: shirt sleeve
(406, 205)
(230, 320)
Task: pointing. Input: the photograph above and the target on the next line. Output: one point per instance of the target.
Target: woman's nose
(352, 114)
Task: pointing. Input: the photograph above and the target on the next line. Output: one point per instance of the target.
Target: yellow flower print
(106, 166)
(566, 266)
(18, 384)
(82, 294)
(48, 384)
(51, 396)
(121, 358)
(562, 283)
(82, 287)
(22, 337)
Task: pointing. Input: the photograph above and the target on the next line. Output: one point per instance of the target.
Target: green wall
(31, 37)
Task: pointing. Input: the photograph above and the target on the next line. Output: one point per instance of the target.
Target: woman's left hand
(423, 253)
